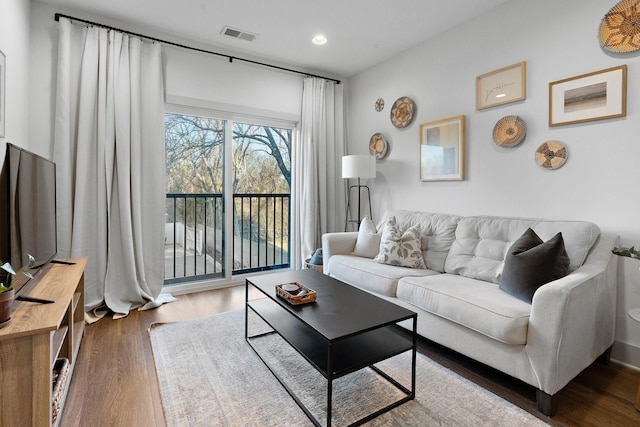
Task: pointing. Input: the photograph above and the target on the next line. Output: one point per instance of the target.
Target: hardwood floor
(114, 383)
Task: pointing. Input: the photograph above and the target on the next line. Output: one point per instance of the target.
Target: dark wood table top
(340, 310)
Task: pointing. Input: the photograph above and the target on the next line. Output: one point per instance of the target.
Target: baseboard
(204, 285)
(626, 354)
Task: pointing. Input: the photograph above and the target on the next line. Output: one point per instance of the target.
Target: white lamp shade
(359, 166)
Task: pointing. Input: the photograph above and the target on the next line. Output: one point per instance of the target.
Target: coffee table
(346, 329)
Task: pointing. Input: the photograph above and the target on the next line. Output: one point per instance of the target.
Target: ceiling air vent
(238, 34)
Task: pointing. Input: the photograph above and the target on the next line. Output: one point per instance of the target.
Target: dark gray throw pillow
(530, 263)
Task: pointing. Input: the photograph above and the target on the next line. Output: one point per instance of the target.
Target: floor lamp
(358, 166)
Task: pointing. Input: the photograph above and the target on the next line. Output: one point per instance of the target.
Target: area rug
(210, 376)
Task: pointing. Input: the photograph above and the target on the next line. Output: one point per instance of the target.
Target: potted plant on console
(7, 292)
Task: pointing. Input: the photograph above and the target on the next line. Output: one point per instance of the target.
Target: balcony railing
(195, 235)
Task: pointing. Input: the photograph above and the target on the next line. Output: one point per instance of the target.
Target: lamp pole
(357, 166)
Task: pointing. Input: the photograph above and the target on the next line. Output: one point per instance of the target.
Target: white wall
(14, 43)
(557, 40)
(217, 83)
(204, 79)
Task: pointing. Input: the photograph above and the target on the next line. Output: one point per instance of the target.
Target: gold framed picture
(594, 96)
(501, 86)
(442, 149)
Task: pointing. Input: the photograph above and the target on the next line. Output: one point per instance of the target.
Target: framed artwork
(501, 86)
(3, 64)
(593, 96)
(442, 150)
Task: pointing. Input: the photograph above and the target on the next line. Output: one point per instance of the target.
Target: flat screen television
(28, 210)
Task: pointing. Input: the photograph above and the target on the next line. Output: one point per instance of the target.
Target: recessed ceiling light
(319, 39)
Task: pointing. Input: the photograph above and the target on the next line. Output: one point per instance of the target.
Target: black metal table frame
(409, 393)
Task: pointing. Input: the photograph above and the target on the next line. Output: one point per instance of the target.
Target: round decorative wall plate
(402, 112)
(620, 28)
(509, 131)
(379, 104)
(551, 155)
(378, 146)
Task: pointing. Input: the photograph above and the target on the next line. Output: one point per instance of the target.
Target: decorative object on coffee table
(378, 146)
(620, 28)
(402, 112)
(379, 104)
(295, 294)
(551, 155)
(509, 131)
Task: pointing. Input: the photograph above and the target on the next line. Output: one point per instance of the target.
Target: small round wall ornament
(509, 131)
(402, 112)
(620, 28)
(551, 155)
(379, 104)
(378, 146)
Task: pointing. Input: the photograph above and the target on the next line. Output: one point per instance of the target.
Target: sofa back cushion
(437, 233)
(481, 243)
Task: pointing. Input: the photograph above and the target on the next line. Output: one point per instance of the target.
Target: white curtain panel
(318, 191)
(109, 148)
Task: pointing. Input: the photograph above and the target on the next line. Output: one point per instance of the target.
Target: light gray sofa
(568, 325)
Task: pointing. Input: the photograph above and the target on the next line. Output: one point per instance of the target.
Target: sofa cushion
(475, 304)
(437, 233)
(482, 242)
(369, 275)
(401, 248)
(368, 242)
(530, 263)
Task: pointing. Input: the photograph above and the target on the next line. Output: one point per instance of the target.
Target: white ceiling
(361, 33)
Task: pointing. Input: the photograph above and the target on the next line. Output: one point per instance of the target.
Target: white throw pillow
(398, 248)
(368, 242)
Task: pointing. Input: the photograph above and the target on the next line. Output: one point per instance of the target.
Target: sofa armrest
(573, 319)
(337, 244)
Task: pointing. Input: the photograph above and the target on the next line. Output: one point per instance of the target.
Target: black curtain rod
(231, 58)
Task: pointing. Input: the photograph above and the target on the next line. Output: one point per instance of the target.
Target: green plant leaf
(627, 252)
(7, 267)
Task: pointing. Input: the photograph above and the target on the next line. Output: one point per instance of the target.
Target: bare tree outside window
(261, 178)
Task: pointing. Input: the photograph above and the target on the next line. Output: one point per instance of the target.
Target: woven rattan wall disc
(509, 131)
(378, 146)
(551, 155)
(402, 112)
(620, 27)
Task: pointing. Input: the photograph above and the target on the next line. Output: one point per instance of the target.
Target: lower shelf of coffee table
(348, 354)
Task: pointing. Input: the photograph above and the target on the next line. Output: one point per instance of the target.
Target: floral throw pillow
(398, 248)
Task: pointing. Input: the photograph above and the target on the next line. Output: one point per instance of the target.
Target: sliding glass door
(208, 159)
